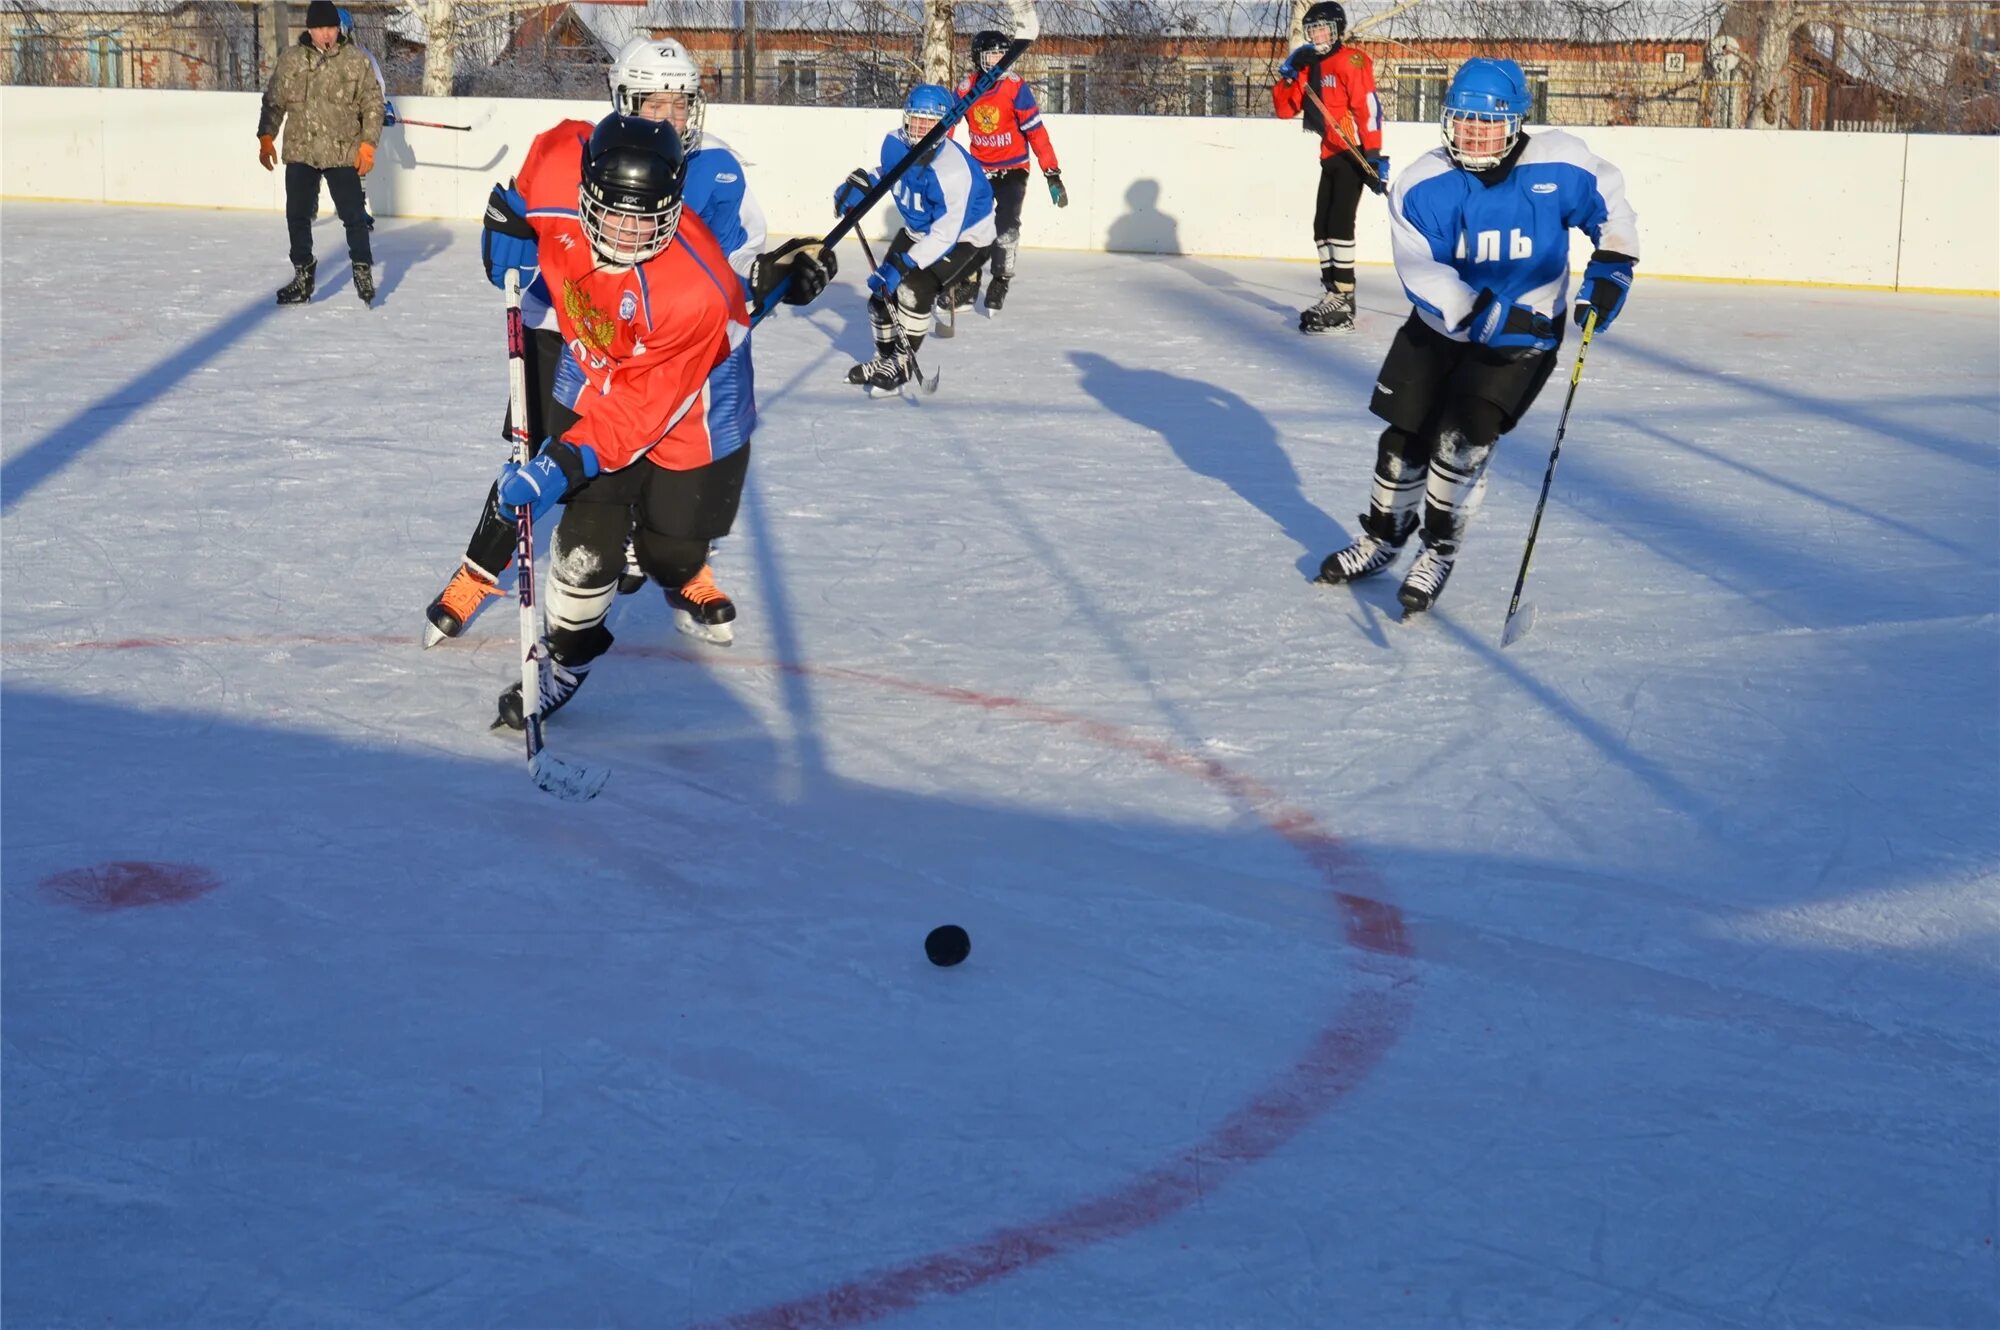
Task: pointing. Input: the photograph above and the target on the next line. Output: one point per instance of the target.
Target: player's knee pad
(672, 561)
(1401, 462)
(1456, 485)
(1005, 250)
(916, 321)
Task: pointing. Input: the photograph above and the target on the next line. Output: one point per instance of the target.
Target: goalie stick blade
(567, 780)
(1519, 624)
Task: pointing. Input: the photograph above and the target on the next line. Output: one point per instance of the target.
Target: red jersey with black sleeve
(1345, 81)
(659, 354)
(1005, 124)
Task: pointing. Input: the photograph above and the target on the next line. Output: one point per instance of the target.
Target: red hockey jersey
(664, 348)
(1004, 124)
(1345, 81)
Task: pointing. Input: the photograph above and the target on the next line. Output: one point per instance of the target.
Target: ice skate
(996, 294)
(702, 610)
(559, 685)
(1334, 313)
(300, 288)
(1426, 581)
(364, 282)
(1367, 556)
(884, 376)
(457, 603)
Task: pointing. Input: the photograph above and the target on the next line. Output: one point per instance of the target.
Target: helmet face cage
(1332, 19)
(986, 44)
(623, 235)
(1478, 150)
(648, 67)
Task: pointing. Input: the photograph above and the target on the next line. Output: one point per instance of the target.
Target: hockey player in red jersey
(1350, 130)
(1004, 126)
(652, 406)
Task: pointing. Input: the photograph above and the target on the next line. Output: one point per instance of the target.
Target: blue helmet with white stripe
(1483, 111)
(927, 104)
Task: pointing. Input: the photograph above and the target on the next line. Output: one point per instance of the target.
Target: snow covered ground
(1327, 971)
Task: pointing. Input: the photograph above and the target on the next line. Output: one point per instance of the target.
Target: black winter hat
(322, 14)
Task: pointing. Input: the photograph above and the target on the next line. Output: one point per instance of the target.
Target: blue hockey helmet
(1483, 111)
(927, 104)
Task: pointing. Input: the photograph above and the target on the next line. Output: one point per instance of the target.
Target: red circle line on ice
(1349, 1044)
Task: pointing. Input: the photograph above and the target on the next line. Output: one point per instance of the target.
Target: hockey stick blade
(567, 780)
(1519, 624)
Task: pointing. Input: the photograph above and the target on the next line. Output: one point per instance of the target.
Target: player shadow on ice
(1218, 434)
(712, 972)
(38, 462)
(1142, 228)
(398, 247)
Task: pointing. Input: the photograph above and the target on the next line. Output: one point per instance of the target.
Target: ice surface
(1327, 971)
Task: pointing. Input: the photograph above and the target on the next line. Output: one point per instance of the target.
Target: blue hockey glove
(542, 483)
(1380, 165)
(1511, 327)
(508, 242)
(1057, 193)
(885, 279)
(1606, 281)
(852, 190)
(1296, 61)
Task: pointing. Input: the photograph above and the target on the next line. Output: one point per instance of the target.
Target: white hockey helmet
(646, 65)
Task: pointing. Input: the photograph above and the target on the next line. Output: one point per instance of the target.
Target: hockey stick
(565, 780)
(1521, 618)
(1027, 27)
(1327, 119)
(432, 124)
(895, 317)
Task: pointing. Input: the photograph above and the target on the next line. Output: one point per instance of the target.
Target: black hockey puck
(947, 945)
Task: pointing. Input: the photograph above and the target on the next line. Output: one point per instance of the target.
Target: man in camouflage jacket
(324, 94)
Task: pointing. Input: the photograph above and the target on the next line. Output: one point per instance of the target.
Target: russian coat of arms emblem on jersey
(986, 119)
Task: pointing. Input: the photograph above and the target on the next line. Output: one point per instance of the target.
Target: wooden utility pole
(748, 65)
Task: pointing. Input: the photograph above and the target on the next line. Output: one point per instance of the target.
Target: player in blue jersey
(1480, 229)
(947, 209)
(654, 79)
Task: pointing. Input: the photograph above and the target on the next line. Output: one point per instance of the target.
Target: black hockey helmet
(985, 41)
(1330, 14)
(630, 200)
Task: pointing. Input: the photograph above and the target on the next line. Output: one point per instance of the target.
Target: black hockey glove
(847, 197)
(1056, 191)
(809, 266)
(508, 240)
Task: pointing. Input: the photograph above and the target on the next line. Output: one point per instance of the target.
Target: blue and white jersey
(943, 201)
(718, 192)
(1455, 236)
(715, 190)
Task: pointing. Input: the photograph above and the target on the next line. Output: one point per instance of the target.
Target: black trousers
(1340, 186)
(302, 202)
(1425, 372)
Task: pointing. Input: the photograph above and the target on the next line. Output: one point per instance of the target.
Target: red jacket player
(652, 402)
(1004, 125)
(1350, 130)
